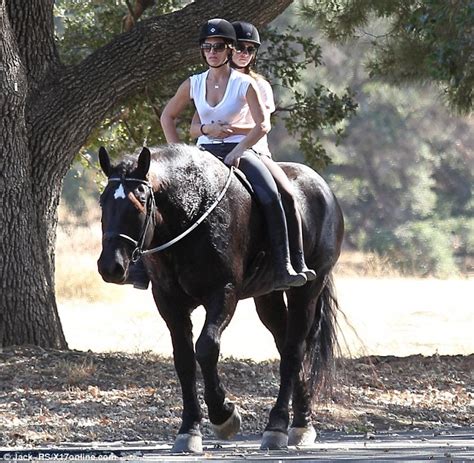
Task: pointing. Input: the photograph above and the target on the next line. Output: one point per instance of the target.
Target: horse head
(127, 213)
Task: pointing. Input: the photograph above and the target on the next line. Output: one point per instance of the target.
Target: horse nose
(112, 269)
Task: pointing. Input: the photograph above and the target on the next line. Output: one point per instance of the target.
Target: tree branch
(135, 13)
(83, 95)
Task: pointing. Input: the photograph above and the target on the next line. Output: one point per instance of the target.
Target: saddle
(220, 152)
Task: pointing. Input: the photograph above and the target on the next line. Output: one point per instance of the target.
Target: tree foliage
(424, 41)
(404, 172)
(84, 26)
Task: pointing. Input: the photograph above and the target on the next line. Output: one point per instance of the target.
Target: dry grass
(359, 264)
(74, 373)
(77, 250)
(137, 397)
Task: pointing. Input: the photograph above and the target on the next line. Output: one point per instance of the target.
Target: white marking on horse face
(119, 192)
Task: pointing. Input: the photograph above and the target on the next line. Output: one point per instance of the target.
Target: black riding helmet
(246, 32)
(218, 27)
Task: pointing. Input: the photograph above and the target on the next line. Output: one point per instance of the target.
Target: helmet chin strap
(219, 65)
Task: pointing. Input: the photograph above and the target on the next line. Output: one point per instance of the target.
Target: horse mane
(172, 163)
(189, 177)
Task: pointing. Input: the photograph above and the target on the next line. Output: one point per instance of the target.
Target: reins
(139, 251)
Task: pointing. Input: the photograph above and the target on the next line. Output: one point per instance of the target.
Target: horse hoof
(228, 428)
(187, 443)
(274, 440)
(302, 436)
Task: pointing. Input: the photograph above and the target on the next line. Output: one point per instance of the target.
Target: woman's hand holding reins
(233, 158)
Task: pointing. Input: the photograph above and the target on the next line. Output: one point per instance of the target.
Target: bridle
(150, 212)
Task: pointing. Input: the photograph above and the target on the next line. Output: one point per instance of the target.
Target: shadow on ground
(51, 397)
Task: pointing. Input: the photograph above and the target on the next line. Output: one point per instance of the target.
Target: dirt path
(456, 445)
(50, 397)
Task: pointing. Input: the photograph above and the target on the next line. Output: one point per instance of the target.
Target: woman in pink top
(248, 41)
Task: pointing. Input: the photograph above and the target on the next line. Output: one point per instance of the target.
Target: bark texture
(47, 112)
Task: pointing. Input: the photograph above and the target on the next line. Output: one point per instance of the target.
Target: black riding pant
(254, 169)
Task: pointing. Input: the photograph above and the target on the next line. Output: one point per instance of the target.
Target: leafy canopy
(425, 40)
(84, 26)
(403, 172)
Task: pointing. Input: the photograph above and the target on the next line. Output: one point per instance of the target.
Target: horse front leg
(179, 323)
(223, 415)
(300, 317)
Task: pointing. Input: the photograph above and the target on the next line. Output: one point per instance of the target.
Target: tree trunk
(47, 112)
(28, 308)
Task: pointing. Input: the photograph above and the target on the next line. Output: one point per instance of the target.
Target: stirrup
(137, 276)
(138, 283)
(141, 283)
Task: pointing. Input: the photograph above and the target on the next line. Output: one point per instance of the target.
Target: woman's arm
(173, 109)
(241, 129)
(195, 129)
(266, 94)
(219, 130)
(261, 127)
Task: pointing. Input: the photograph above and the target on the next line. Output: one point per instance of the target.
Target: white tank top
(230, 109)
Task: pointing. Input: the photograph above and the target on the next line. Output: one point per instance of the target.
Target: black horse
(153, 199)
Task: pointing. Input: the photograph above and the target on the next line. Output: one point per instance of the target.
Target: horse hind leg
(272, 311)
(302, 305)
(317, 367)
(301, 432)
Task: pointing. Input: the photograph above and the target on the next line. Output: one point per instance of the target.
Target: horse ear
(104, 161)
(144, 161)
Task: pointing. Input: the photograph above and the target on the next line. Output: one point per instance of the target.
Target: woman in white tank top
(248, 41)
(223, 96)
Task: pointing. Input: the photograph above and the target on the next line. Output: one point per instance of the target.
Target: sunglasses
(249, 49)
(217, 47)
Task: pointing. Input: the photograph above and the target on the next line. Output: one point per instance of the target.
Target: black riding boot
(137, 275)
(295, 237)
(299, 264)
(295, 233)
(285, 275)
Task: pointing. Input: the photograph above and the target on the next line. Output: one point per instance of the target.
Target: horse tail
(321, 343)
